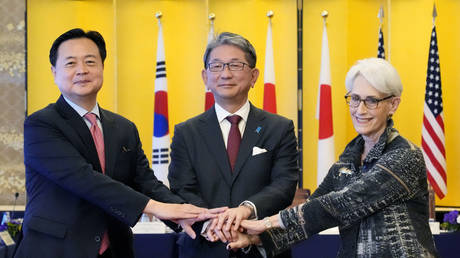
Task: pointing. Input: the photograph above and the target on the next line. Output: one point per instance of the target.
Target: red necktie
(98, 139)
(234, 139)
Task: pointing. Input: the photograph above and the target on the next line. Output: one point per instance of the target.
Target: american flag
(381, 49)
(433, 139)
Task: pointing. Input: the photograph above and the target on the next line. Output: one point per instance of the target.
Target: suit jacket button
(97, 238)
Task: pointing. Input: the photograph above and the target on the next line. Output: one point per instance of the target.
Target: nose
(226, 73)
(361, 108)
(82, 68)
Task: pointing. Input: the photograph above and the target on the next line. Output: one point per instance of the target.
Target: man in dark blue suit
(87, 177)
(234, 154)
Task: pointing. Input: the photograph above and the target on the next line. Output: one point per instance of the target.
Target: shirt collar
(243, 112)
(81, 111)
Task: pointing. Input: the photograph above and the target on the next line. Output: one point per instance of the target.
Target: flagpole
(158, 15)
(300, 88)
(381, 41)
(431, 192)
(326, 153)
(269, 70)
(160, 138)
(208, 97)
(270, 14)
(389, 30)
(211, 18)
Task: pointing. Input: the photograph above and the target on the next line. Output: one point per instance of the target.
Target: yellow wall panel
(47, 19)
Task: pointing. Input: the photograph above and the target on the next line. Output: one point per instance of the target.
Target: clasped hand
(232, 227)
(183, 214)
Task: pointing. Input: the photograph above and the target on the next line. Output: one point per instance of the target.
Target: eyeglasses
(370, 102)
(232, 66)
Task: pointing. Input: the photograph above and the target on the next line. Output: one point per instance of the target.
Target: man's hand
(186, 224)
(242, 240)
(229, 221)
(170, 211)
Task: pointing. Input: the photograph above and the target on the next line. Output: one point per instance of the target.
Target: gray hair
(379, 73)
(228, 38)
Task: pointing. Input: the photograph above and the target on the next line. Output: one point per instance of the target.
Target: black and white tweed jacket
(380, 206)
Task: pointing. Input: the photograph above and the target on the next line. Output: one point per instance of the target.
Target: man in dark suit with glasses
(234, 154)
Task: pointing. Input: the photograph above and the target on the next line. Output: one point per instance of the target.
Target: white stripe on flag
(269, 73)
(435, 174)
(434, 123)
(325, 146)
(434, 148)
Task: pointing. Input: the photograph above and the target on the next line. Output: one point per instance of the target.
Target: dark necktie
(234, 139)
(98, 139)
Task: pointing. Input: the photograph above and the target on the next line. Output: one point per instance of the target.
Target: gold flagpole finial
(158, 15)
(270, 14)
(211, 16)
(324, 14)
(435, 13)
(381, 14)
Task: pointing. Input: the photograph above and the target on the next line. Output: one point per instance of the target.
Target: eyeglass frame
(365, 101)
(228, 65)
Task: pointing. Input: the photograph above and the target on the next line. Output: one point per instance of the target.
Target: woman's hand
(242, 240)
(256, 227)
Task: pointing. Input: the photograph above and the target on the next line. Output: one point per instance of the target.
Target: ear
(255, 75)
(204, 76)
(394, 104)
(53, 70)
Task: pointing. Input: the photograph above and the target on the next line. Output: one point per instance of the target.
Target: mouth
(226, 85)
(362, 119)
(81, 82)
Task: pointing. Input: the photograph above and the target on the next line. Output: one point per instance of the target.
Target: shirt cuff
(260, 248)
(254, 209)
(262, 251)
(205, 226)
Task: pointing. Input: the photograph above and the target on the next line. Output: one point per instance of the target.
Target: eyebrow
(70, 57)
(369, 96)
(220, 60)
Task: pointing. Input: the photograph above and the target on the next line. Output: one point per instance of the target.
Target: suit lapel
(212, 135)
(252, 133)
(110, 141)
(88, 149)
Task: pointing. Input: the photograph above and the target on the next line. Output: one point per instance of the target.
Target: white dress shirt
(225, 125)
(82, 112)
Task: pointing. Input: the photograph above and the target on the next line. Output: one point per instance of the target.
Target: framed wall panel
(12, 100)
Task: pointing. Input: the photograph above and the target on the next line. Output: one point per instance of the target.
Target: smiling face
(229, 87)
(79, 71)
(371, 123)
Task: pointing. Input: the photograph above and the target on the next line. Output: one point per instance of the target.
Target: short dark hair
(228, 38)
(76, 33)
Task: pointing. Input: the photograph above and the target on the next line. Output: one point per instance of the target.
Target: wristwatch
(268, 223)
